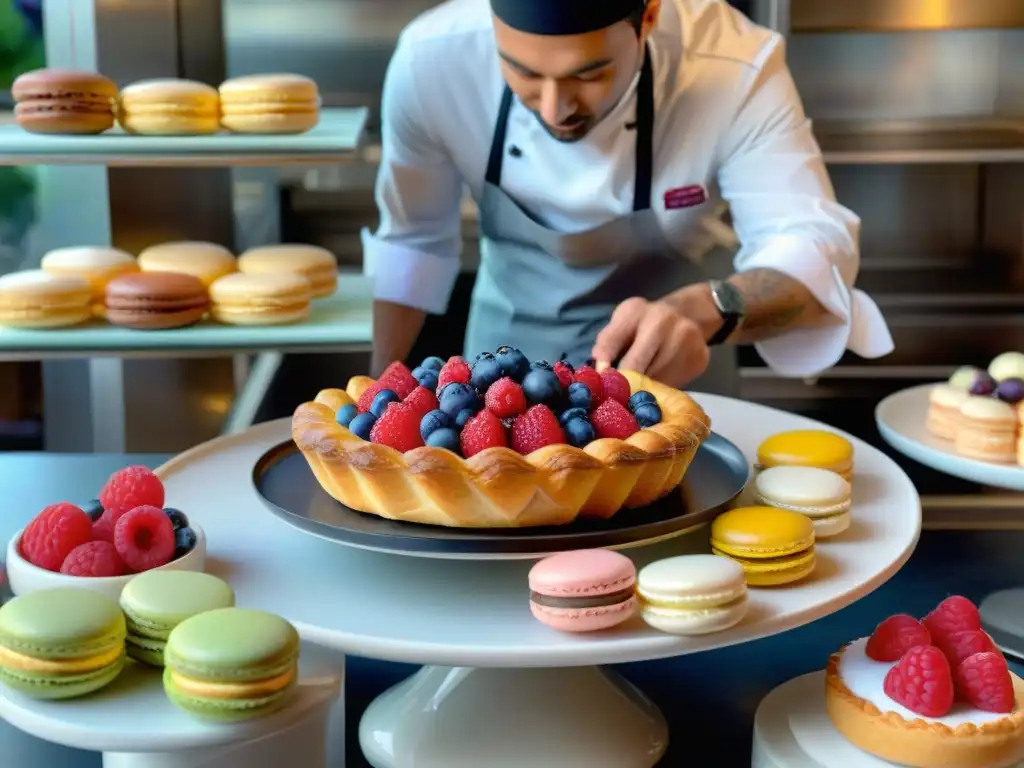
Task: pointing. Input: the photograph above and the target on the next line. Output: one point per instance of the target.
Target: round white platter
(901, 420)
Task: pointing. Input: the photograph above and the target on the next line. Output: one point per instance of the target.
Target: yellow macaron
(807, 448)
(169, 107)
(774, 546)
(270, 299)
(207, 261)
(96, 264)
(37, 299)
(318, 265)
(269, 104)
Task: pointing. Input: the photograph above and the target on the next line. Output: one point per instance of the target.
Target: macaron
(64, 101)
(944, 402)
(807, 448)
(156, 300)
(1009, 365)
(818, 494)
(231, 664)
(169, 107)
(693, 594)
(155, 602)
(96, 264)
(774, 546)
(61, 643)
(277, 103)
(270, 299)
(964, 376)
(207, 261)
(318, 265)
(988, 430)
(36, 299)
(583, 591)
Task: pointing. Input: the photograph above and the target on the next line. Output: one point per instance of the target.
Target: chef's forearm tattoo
(776, 304)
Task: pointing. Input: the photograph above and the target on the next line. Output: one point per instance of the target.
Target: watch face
(729, 299)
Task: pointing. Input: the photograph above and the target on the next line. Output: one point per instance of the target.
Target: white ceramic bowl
(25, 577)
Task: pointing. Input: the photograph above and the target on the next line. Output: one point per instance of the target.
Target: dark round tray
(287, 486)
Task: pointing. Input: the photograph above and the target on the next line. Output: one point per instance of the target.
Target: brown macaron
(64, 101)
(156, 300)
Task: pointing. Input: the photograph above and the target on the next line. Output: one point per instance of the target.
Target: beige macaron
(37, 299)
(268, 299)
(169, 107)
(944, 403)
(988, 430)
(818, 494)
(318, 265)
(269, 104)
(98, 265)
(207, 261)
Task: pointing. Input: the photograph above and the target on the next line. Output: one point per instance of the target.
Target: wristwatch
(731, 306)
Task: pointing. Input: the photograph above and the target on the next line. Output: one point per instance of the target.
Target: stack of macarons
(96, 264)
(819, 494)
(774, 546)
(807, 448)
(318, 265)
(64, 101)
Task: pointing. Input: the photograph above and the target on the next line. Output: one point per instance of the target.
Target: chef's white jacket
(727, 117)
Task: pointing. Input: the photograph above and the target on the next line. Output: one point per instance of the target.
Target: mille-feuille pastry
(944, 402)
(988, 430)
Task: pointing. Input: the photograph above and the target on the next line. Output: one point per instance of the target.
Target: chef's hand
(655, 338)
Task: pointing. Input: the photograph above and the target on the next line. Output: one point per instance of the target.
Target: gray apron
(550, 293)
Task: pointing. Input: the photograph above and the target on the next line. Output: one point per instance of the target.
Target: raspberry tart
(934, 693)
(501, 442)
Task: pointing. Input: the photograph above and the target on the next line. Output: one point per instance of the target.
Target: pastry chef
(602, 141)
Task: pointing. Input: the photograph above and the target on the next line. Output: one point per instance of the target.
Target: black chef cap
(563, 17)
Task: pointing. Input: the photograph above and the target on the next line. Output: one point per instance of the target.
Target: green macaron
(231, 664)
(61, 643)
(155, 602)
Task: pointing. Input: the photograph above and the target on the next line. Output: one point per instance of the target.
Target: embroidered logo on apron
(685, 197)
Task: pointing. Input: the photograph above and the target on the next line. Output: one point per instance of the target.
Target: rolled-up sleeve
(787, 219)
(413, 256)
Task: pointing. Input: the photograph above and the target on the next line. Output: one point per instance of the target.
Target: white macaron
(818, 494)
(693, 594)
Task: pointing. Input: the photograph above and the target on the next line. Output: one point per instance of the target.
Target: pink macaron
(583, 591)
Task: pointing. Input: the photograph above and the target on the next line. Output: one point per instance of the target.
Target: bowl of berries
(500, 443)
(103, 544)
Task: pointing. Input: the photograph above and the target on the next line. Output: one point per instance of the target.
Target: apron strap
(644, 169)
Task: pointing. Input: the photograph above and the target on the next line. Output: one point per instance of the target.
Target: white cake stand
(506, 691)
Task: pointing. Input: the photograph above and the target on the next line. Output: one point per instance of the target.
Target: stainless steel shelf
(940, 141)
(903, 15)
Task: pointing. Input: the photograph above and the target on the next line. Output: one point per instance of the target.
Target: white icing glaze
(947, 396)
(1008, 365)
(865, 678)
(987, 409)
(963, 377)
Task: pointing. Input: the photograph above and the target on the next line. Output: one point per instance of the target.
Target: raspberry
(103, 529)
(587, 375)
(422, 400)
(396, 377)
(616, 386)
(95, 559)
(132, 487)
(984, 681)
(895, 636)
(56, 531)
(960, 645)
(564, 372)
(612, 419)
(535, 429)
(921, 682)
(505, 399)
(398, 427)
(954, 614)
(481, 432)
(456, 369)
(144, 538)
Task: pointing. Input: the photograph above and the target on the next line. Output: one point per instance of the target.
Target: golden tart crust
(923, 743)
(499, 488)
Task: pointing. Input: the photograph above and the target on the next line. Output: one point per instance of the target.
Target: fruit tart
(934, 693)
(499, 442)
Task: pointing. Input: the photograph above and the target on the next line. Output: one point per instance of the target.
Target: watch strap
(730, 306)
(729, 323)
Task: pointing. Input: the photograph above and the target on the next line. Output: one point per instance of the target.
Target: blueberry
(485, 372)
(94, 509)
(432, 364)
(434, 421)
(361, 425)
(178, 518)
(573, 413)
(647, 414)
(445, 438)
(383, 399)
(984, 385)
(184, 541)
(579, 396)
(464, 416)
(346, 413)
(427, 377)
(1011, 391)
(542, 386)
(541, 365)
(579, 432)
(513, 363)
(457, 397)
(640, 397)
(483, 356)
